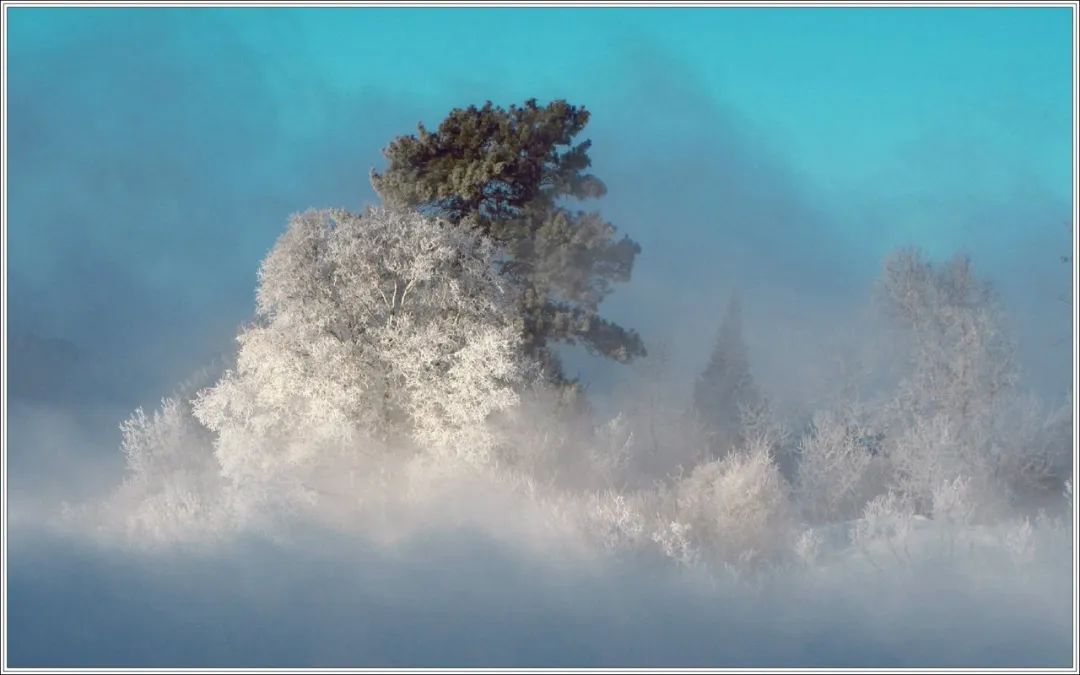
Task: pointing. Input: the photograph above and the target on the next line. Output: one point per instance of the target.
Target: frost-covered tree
(378, 328)
(725, 391)
(962, 360)
(961, 370)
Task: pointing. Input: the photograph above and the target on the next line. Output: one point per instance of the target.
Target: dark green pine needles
(509, 173)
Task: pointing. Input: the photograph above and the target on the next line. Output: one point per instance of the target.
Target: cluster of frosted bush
(383, 370)
(951, 445)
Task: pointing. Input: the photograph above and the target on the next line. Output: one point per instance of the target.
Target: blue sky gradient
(155, 154)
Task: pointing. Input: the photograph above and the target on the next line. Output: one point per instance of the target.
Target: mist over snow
(458, 598)
(258, 415)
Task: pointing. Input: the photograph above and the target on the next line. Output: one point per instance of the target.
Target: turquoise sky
(154, 155)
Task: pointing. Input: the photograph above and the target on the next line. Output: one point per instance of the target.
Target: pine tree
(726, 390)
(505, 172)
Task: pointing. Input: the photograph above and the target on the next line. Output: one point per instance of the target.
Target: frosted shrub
(675, 541)
(176, 512)
(615, 521)
(1033, 447)
(172, 490)
(887, 521)
(164, 443)
(926, 452)
(952, 501)
(808, 546)
(836, 468)
(737, 508)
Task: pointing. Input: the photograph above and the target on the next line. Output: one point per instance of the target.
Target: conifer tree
(507, 172)
(725, 390)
